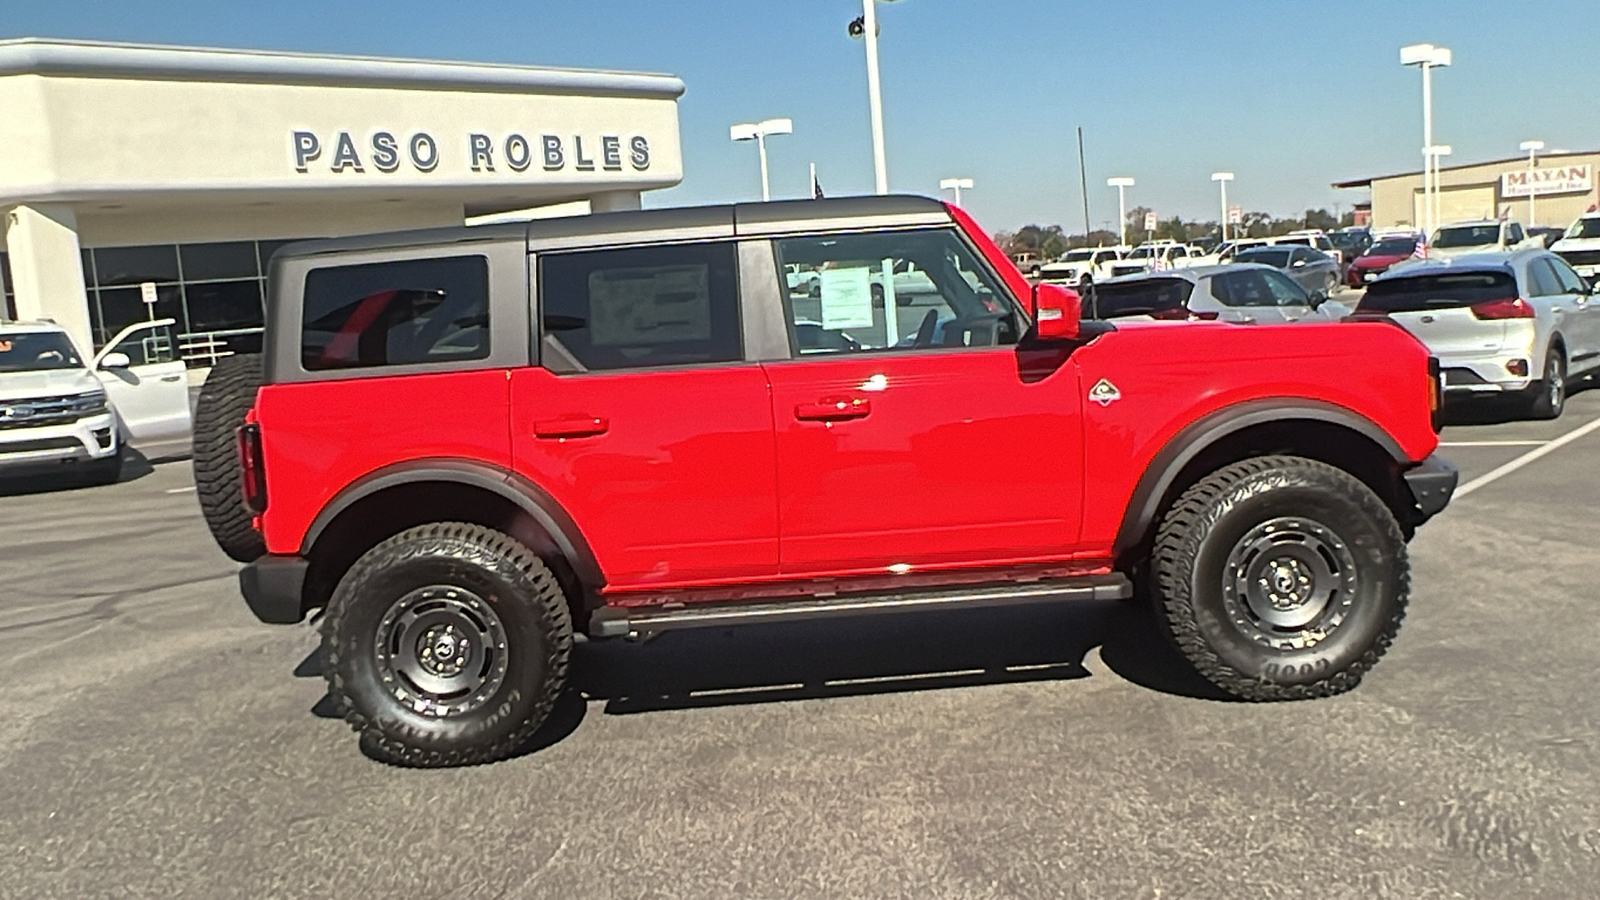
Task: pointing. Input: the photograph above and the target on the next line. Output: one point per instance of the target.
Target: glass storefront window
(121, 307)
(224, 305)
(212, 262)
(135, 265)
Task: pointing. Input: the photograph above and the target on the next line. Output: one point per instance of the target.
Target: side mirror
(115, 360)
(1056, 312)
(1299, 264)
(1317, 298)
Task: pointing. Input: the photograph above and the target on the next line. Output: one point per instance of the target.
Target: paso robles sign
(384, 151)
(1552, 180)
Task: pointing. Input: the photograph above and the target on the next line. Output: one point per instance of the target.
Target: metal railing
(203, 348)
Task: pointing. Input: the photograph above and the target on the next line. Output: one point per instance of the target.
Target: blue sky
(1290, 96)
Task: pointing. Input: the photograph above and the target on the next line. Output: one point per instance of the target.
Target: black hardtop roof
(740, 218)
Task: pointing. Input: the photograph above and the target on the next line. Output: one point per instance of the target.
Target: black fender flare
(1169, 462)
(526, 495)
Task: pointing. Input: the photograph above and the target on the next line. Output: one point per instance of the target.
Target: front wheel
(1281, 578)
(446, 645)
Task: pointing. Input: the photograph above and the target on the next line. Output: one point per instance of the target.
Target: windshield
(1278, 259)
(1424, 292)
(1467, 236)
(1142, 253)
(32, 351)
(1393, 247)
(1077, 256)
(1139, 298)
(1300, 241)
(1585, 228)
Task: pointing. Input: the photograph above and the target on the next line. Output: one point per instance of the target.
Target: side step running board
(639, 621)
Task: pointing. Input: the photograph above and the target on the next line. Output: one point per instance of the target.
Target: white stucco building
(125, 165)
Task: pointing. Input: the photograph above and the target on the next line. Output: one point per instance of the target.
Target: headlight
(90, 404)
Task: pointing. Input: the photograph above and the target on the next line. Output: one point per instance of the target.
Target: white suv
(1580, 247)
(55, 410)
(1488, 235)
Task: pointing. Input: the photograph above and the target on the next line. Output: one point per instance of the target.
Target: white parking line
(1493, 443)
(182, 490)
(1526, 458)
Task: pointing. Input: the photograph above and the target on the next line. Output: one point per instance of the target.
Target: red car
(466, 445)
(1384, 253)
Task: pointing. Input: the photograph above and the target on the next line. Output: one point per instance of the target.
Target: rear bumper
(1432, 483)
(272, 588)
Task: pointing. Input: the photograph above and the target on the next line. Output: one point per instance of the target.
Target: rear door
(644, 420)
(1583, 327)
(150, 396)
(1258, 295)
(916, 436)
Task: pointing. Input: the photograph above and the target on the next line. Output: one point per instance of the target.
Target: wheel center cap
(443, 651)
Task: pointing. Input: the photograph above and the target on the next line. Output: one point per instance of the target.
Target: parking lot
(158, 741)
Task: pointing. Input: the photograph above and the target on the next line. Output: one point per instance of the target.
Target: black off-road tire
(1208, 548)
(226, 396)
(1550, 392)
(506, 594)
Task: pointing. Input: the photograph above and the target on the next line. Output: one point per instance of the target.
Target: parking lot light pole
(1121, 183)
(1427, 57)
(956, 184)
(1533, 148)
(1222, 179)
(869, 32)
(1431, 156)
(758, 132)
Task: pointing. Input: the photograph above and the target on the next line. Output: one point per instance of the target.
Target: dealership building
(1561, 186)
(131, 174)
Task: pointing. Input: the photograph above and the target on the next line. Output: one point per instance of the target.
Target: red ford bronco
(466, 445)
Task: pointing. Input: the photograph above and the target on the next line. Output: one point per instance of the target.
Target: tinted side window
(641, 307)
(1542, 280)
(1144, 297)
(1571, 282)
(1245, 288)
(396, 313)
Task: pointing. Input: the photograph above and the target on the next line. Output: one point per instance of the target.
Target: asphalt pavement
(157, 741)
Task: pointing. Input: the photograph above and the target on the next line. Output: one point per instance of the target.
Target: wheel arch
(1309, 428)
(390, 500)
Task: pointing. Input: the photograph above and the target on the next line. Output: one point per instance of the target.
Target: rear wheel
(1281, 578)
(225, 398)
(1550, 396)
(446, 645)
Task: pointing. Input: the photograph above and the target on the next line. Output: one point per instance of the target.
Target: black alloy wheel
(1281, 578)
(1550, 392)
(446, 645)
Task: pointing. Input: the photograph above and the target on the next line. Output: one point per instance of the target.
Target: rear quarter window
(406, 312)
(1446, 291)
(1139, 298)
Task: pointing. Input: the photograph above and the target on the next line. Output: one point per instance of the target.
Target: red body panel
(677, 489)
(921, 466)
(1169, 376)
(319, 437)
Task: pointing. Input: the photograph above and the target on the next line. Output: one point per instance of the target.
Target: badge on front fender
(1104, 393)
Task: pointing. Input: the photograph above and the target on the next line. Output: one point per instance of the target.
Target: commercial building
(126, 166)
(1562, 187)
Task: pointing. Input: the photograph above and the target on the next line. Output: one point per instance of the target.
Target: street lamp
(956, 184)
(1222, 179)
(1427, 57)
(868, 30)
(758, 132)
(1533, 148)
(1121, 183)
(1431, 157)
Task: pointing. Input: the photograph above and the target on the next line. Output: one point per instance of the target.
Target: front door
(151, 395)
(909, 435)
(644, 421)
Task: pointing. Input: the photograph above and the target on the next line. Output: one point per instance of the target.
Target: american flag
(1419, 250)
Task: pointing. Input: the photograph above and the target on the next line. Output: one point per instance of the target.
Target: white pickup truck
(58, 411)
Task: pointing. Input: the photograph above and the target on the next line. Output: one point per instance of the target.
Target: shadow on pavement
(68, 477)
(857, 657)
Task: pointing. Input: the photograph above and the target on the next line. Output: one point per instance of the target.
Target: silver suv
(1514, 324)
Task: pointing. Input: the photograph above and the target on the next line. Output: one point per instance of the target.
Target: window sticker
(847, 298)
(652, 305)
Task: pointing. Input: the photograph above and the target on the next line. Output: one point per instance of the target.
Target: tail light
(1435, 395)
(1509, 308)
(252, 468)
(1181, 314)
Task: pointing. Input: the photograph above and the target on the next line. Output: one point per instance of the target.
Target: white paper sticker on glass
(649, 305)
(847, 298)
